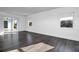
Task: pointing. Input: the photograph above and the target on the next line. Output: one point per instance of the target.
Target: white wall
(48, 23)
(21, 24)
(1, 27)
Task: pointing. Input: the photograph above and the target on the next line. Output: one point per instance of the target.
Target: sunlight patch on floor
(40, 47)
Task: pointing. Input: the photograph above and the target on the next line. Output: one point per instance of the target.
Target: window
(15, 24)
(67, 22)
(5, 24)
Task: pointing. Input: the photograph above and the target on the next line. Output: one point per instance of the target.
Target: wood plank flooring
(23, 39)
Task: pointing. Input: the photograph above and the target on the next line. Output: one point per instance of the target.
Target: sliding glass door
(10, 24)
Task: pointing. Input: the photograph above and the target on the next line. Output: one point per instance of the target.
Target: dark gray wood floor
(24, 38)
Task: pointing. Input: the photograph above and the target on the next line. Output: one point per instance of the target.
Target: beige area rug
(40, 47)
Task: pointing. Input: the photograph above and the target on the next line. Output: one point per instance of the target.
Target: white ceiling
(24, 10)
